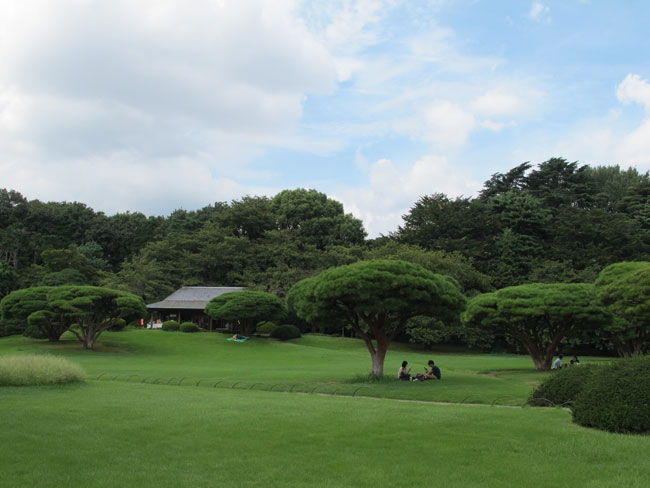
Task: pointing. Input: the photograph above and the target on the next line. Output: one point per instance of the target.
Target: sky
(155, 105)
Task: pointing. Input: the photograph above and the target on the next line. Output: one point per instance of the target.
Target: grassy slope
(311, 359)
(111, 434)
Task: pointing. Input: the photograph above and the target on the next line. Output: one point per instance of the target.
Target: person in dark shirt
(433, 373)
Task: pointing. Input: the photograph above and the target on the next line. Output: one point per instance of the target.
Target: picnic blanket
(243, 339)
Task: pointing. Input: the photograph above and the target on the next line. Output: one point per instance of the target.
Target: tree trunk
(541, 363)
(378, 358)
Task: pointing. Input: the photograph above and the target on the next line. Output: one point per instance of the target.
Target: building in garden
(187, 304)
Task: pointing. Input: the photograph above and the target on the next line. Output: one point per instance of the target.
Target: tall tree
(538, 316)
(377, 298)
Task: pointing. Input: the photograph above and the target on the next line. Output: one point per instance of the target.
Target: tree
(87, 311)
(538, 316)
(245, 309)
(376, 298)
(19, 305)
(624, 288)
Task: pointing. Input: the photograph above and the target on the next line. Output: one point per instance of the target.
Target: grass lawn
(326, 363)
(115, 434)
(118, 433)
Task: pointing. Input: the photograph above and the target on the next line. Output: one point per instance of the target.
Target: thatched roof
(192, 297)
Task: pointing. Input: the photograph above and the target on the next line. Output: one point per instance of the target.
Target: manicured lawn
(113, 434)
(330, 364)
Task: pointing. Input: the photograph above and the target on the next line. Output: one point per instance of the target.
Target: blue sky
(153, 105)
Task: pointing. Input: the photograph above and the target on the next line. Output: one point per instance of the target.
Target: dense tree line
(555, 223)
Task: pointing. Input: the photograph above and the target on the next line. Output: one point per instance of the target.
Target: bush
(189, 327)
(265, 328)
(29, 370)
(171, 325)
(120, 324)
(285, 332)
(562, 387)
(617, 398)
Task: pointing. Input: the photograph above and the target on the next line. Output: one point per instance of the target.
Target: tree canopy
(624, 288)
(245, 309)
(538, 316)
(377, 298)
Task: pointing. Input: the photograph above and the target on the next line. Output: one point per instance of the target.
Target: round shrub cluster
(285, 332)
(31, 370)
(171, 325)
(189, 327)
(562, 387)
(265, 328)
(617, 398)
(120, 324)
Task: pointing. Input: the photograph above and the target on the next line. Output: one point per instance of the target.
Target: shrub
(285, 332)
(189, 327)
(120, 324)
(617, 398)
(171, 325)
(562, 387)
(265, 328)
(29, 370)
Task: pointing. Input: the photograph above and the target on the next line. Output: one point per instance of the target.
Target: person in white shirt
(557, 364)
(403, 373)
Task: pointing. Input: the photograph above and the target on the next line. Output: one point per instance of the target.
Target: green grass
(119, 435)
(31, 369)
(311, 360)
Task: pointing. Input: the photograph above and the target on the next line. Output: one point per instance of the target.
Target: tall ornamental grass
(30, 370)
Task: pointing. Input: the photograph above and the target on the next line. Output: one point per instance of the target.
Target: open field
(312, 360)
(117, 433)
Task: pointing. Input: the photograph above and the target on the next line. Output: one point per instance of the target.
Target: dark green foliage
(245, 309)
(624, 289)
(285, 332)
(265, 328)
(562, 387)
(120, 324)
(19, 305)
(171, 326)
(617, 398)
(67, 276)
(376, 299)
(538, 316)
(189, 327)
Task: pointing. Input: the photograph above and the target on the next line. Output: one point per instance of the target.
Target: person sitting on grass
(433, 373)
(557, 364)
(403, 373)
(574, 361)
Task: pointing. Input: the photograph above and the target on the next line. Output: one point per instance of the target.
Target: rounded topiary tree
(171, 326)
(624, 288)
(16, 307)
(285, 332)
(245, 309)
(377, 298)
(562, 387)
(538, 316)
(189, 327)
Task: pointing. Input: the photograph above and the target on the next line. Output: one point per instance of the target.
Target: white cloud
(634, 89)
(171, 93)
(540, 13)
(391, 190)
(447, 124)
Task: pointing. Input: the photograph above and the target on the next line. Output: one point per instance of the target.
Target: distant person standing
(433, 373)
(557, 364)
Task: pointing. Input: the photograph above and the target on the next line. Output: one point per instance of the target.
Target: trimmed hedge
(171, 325)
(562, 387)
(265, 328)
(617, 399)
(285, 332)
(189, 327)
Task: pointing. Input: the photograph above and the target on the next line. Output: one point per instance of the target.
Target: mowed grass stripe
(116, 434)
